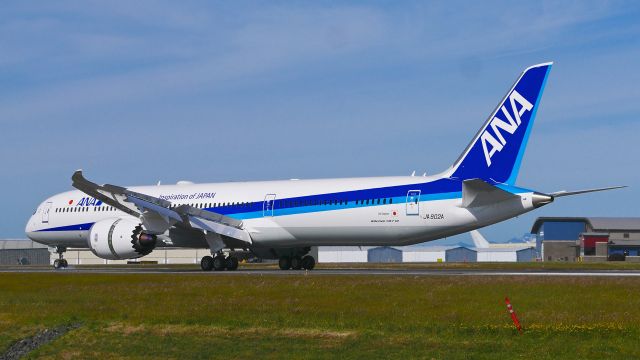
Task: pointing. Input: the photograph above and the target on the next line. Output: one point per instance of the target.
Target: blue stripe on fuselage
(442, 189)
(76, 227)
(435, 190)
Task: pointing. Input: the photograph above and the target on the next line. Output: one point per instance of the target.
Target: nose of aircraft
(30, 227)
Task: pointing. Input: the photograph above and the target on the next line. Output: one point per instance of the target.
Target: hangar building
(461, 254)
(343, 254)
(587, 238)
(384, 254)
(23, 252)
(424, 253)
(506, 255)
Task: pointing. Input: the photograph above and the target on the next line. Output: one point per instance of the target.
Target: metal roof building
(424, 253)
(461, 254)
(23, 252)
(384, 254)
(595, 237)
(339, 254)
(558, 228)
(20, 244)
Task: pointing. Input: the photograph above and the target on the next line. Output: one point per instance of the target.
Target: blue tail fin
(496, 151)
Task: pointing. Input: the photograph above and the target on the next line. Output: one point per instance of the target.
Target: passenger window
(384, 201)
(390, 200)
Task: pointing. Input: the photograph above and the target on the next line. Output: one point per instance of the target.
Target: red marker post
(514, 317)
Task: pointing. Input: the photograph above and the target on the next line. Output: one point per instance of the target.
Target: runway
(325, 272)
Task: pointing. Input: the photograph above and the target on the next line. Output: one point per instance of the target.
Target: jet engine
(119, 239)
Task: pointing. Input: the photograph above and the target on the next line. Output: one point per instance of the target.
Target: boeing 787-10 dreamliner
(284, 219)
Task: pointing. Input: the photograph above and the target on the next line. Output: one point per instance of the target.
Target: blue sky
(136, 92)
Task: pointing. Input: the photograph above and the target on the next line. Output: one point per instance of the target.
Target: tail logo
(495, 142)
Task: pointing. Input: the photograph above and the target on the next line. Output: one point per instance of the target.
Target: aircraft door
(45, 212)
(269, 205)
(413, 202)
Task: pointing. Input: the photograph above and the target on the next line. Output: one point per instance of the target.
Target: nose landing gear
(60, 262)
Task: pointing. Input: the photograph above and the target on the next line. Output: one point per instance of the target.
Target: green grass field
(310, 316)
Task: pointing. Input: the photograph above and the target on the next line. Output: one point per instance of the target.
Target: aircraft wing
(476, 192)
(158, 215)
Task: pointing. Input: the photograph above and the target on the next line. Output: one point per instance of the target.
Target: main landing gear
(219, 262)
(60, 262)
(296, 262)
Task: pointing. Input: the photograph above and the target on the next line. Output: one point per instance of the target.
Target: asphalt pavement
(320, 272)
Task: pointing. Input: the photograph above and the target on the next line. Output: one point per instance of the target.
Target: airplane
(283, 219)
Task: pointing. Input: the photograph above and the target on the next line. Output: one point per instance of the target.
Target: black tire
(232, 263)
(308, 262)
(206, 263)
(64, 263)
(219, 263)
(296, 263)
(284, 263)
(56, 264)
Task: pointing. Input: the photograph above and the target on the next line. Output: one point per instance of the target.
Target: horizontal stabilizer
(568, 193)
(476, 192)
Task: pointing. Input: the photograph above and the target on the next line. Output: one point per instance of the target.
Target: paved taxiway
(319, 272)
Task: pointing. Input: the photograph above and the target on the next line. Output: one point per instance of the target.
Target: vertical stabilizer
(496, 151)
(478, 240)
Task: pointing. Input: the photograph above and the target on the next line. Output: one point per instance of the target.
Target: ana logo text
(89, 201)
(491, 143)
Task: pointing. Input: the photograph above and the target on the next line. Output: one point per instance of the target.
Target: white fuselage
(296, 213)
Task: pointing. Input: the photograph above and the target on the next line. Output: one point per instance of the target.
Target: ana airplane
(283, 219)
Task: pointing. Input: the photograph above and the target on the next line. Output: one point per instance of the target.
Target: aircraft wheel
(64, 263)
(308, 262)
(56, 264)
(206, 263)
(284, 263)
(232, 263)
(219, 263)
(296, 263)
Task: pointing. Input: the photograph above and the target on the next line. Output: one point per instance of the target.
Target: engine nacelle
(120, 239)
